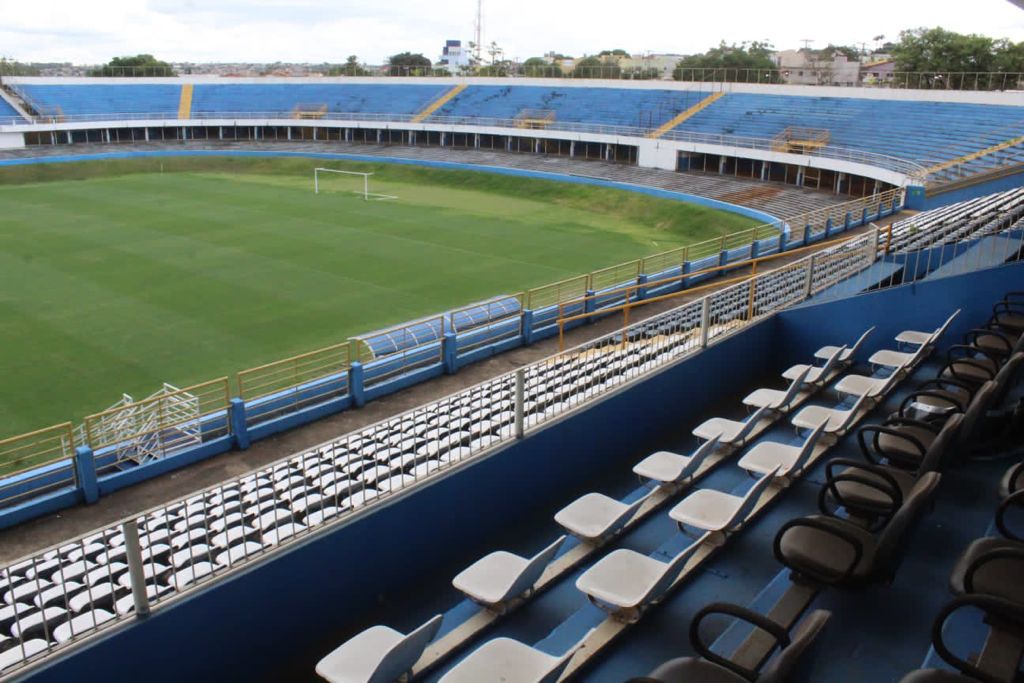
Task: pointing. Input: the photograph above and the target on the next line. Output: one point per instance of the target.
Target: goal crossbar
(366, 194)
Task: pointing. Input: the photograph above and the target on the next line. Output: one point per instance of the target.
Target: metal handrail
(909, 168)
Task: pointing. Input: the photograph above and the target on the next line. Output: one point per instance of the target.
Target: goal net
(353, 182)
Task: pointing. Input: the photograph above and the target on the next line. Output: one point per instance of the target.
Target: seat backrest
(807, 450)
(937, 455)
(945, 326)
(1005, 378)
(831, 363)
(794, 388)
(782, 664)
(860, 341)
(851, 415)
(698, 457)
(749, 425)
(400, 659)
(532, 571)
(891, 540)
(750, 498)
(975, 414)
(671, 571)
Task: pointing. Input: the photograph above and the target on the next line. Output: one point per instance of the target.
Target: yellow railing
(161, 424)
(36, 448)
(291, 373)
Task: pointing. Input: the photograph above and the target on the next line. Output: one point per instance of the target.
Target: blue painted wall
(970, 192)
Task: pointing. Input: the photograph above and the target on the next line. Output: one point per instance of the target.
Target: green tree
(746, 62)
(538, 67)
(595, 67)
(9, 67)
(138, 66)
(618, 52)
(351, 67)
(949, 59)
(409, 64)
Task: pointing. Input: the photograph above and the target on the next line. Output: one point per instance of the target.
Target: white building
(453, 56)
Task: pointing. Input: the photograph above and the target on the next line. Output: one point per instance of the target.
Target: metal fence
(149, 559)
(291, 384)
(864, 77)
(159, 426)
(36, 462)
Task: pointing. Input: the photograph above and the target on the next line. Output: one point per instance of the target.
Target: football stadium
(513, 373)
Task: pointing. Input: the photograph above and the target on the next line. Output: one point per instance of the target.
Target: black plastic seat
(993, 565)
(997, 343)
(825, 550)
(1009, 313)
(970, 364)
(990, 566)
(710, 667)
(1012, 481)
(999, 615)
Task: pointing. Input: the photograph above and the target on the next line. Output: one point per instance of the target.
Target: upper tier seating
(100, 99)
(610, 106)
(7, 112)
(925, 132)
(338, 98)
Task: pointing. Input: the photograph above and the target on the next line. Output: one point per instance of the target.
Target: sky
(328, 31)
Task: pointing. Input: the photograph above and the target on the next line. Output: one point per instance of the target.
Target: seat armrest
(1004, 529)
(773, 628)
(992, 606)
(991, 556)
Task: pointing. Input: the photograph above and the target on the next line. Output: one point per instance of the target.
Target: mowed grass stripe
(118, 283)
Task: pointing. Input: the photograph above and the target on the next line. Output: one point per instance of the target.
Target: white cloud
(326, 30)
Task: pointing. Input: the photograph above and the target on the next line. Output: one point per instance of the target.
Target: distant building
(663, 64)
(804, 67)
(878, 72)
(453, 57)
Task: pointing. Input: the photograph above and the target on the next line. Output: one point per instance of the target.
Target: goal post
(364, 192)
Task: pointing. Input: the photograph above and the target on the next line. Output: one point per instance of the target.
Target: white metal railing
(142, 562)
(874, 159)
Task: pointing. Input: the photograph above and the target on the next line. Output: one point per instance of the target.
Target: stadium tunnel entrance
(822, 179)
(517, 144)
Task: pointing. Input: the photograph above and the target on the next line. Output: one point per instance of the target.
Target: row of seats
(925, 132)
(46, 601)
(624, 583)
(868, 511)
(978, 217)
(986, 577)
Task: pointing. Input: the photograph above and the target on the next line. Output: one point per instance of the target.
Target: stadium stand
(103, 100)
(633, 108)
(936, 442)
(364, 99)
(951, 140)
(76, 586)
(8, 113)
(926, 132)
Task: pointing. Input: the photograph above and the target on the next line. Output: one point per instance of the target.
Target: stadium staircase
(684, 115)
(185, 103)
(438, 103)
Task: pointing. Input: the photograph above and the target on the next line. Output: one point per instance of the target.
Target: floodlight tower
(478, 30)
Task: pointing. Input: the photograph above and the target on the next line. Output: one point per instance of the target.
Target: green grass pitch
(117, 276)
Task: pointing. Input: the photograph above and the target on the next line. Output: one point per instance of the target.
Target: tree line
(930, 50)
